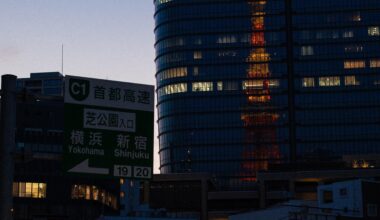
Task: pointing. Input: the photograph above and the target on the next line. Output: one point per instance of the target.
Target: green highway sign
(108, 128)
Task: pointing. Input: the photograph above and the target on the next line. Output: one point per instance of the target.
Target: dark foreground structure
(41, 190)
(246, 86)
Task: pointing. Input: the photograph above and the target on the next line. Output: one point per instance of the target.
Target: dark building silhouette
(41, 189)
(45, 83)
(246, 86)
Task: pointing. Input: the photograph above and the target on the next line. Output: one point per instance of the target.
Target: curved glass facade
(243, 84)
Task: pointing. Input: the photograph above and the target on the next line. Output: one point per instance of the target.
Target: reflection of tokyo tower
(259, 125)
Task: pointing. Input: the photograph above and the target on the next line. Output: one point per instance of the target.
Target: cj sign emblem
(79, 89)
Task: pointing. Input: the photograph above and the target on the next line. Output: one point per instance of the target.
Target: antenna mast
(62, 61)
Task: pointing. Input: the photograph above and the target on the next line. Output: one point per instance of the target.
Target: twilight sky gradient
(106, 39)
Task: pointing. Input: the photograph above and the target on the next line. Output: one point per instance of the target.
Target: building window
(197, 55)
(374, 63)
(172, 89)
(231, 85)
(172, 42)
(259, 57)
(90, 192)
(373, 31)
(307, 50)
(329, 81)
(371, 210)
(353, 49)
(259, 84)
(219, 86)
(195, 71)
(29, 190)
(227, 53)
(327, 196)
(351, 81)
(226, 39)
(356, 16)
(360, 163)
(343, 192)
(252, 84)
(173, 73)
(308, 82)
(354, 64)
(163, 1)
(202, 86)
(33, 83)
(198, 41)
(348, 34)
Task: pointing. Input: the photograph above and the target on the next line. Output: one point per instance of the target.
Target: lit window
(95, 193)
(329, 81)
(173, 73)
(373, 31)
(351, 81)
(356, 16)
(202, 86)
(308, 82)
(259, 56)
(259, 84)
(90, 192)
(172, 89)
(122, 194)
(121, 181)
(374, 63)
(274, 83)
(354, 64)
(252, 84)
(197, 55)
(163, 1)
(29, 190)
(348, 34)
(219, 86)
(307, 50)
(360, 163)
(226, 39)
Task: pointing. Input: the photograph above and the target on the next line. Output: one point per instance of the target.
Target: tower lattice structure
(260, 131)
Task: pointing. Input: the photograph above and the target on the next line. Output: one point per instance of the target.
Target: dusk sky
(106, 39)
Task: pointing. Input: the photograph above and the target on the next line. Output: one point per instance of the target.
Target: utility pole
(7, 144)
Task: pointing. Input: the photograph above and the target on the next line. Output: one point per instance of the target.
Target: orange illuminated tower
(259, 124)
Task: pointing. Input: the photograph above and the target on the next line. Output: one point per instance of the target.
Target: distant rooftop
(45, 75)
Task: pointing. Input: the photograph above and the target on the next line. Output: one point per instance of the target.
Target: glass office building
(246, 85)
